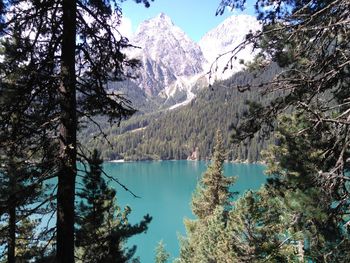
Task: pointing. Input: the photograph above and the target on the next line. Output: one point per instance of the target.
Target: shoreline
(117, 161)
(190, 160)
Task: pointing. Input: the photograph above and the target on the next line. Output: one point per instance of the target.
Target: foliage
(203, 239)
(310, 40)
(210, 204)
(294, 167)
(255, 230)
(27, 243)
(22, 196)
(290, 219)
(258, 230)
(162, 255)
(57, 57)
(309, 166)
(213, 188)
(102, 227)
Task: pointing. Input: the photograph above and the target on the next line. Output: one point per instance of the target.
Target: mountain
(174, 67)
(172, 78)
(167, 54)
(224, 38)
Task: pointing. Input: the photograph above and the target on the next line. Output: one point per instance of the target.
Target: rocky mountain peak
(160, 22)
(164, 19)
(166, 53)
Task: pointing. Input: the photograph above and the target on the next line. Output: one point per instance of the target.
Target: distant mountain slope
(189, 130)
(178, 114)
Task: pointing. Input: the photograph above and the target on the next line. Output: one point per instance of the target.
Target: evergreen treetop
(214, 188)
(162, 255)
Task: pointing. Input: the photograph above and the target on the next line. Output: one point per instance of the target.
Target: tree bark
(12, 203)
(67, 136)
(12, 233)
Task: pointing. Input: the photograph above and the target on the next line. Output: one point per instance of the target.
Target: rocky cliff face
(167, 54)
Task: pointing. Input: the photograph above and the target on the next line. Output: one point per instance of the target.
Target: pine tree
(21, 191)
(293, 167)
(58, 56)
(102, 228)
(22, 201)
(213, 189)
(210, 203)
(310, 166)
(258, 230)
(310, 42)
(28, 241)
(162, 255)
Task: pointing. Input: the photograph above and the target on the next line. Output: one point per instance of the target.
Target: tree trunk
(67, 136)
(12, 233)
(12, 203)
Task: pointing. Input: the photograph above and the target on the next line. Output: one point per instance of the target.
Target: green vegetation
(213, 188)
(302, 213)
(290, 219)
(297, 89)
(176, 134)
(49, 85)
(210, 204)
(292, 167)
(161, 255)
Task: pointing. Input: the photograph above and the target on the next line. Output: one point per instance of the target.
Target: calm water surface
(165, 188)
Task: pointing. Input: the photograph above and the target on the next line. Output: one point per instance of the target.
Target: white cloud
(125, 27)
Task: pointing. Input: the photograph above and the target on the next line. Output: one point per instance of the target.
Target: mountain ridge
(166, 53)
(174, 67)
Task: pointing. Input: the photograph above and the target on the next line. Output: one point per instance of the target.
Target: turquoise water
(165, 188)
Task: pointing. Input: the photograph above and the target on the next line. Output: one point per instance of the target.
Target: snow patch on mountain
(223, 39)
(182, 91)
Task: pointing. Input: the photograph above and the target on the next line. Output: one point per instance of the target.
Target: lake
(165, 188)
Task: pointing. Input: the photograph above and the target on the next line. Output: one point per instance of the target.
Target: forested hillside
(189, 131)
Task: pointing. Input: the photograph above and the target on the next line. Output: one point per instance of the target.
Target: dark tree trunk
(11, 243)
(67, 135)
(12, 233)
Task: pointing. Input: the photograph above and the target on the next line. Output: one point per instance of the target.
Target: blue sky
(195, 17)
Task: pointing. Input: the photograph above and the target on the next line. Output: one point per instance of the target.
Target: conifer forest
(69, 103)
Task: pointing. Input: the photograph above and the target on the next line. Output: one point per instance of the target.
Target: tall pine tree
(293, 166)
(310, 165)
(162, 255)
(102, 226)
(22, 189)
(213, 189)
(210, 203)
(59, 55)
